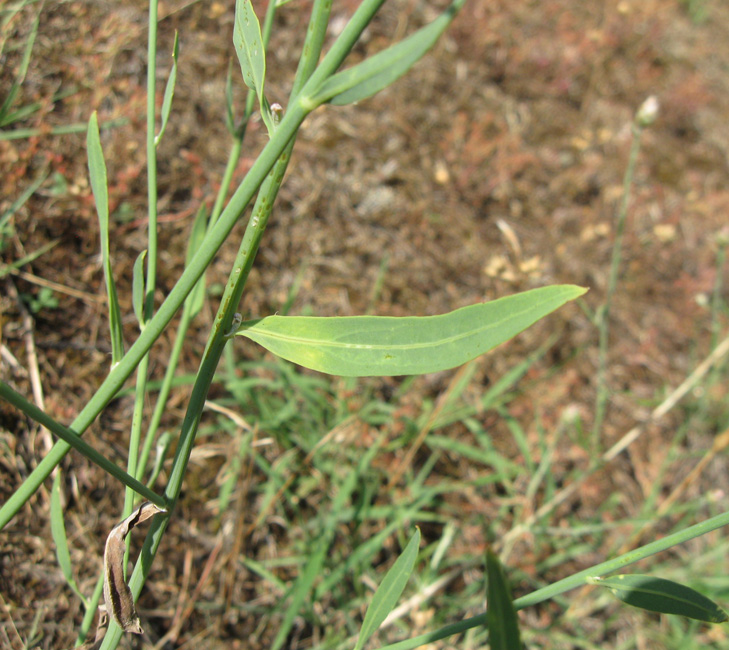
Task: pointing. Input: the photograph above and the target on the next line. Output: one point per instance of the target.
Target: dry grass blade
(117, 595)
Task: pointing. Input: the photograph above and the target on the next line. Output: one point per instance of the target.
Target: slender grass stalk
(224, 318)
(90, 612)
(603, 313)
(187, 313)
(576, 580)
(151, 283)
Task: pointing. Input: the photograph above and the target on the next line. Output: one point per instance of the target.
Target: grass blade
(169, 92)
(365, 346)
(663, 596)
(58, 532)
(138, 288)
(97, 175)
(381, 70)
(500, 614)
(389, 591)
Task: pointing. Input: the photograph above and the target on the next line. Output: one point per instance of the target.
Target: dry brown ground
(520, 114)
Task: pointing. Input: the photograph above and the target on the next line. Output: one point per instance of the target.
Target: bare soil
(495, 166)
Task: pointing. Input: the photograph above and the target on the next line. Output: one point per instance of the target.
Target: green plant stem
(287, 128)
(151, 165)
(151, 283)
(118, 375)
(603, 315)
(90, 611)
(165, 388)
(577, 580)
(73, 440)
(224, 319)
(187, 313)
(186, 318)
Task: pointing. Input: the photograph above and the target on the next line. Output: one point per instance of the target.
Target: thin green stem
(338, 52)
(90, 612)
(165, 388)
(287, 128)
(576, 580)
(222, 324)
(151, 163)
(187, 314)
(151, 283)
(73, 440)
(118, 375)
(603, 314)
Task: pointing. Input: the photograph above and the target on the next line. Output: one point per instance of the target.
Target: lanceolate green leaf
(365, 346)
(502, 621)
(97, 176)
(663, 596)
(169, 92)
(138, 288)
(379, 71)
(58, 532)
(389, 591)
(248, 44)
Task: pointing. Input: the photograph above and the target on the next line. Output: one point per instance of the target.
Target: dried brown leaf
(117, 595)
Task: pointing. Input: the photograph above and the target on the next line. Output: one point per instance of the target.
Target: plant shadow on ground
(495, 166)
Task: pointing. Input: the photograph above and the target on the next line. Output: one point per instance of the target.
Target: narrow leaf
(97, 175)
(389, 591)
(381, 70)
(503, 624)
(169, 92)
(138, 288)
(663, 596)
(117, 595)
(249, 45)
(364, 346)
(58, 532)
(252, 55)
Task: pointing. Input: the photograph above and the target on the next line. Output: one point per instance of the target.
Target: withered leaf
(117, 595)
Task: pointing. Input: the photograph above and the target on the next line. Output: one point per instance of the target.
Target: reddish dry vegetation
(495, 166)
